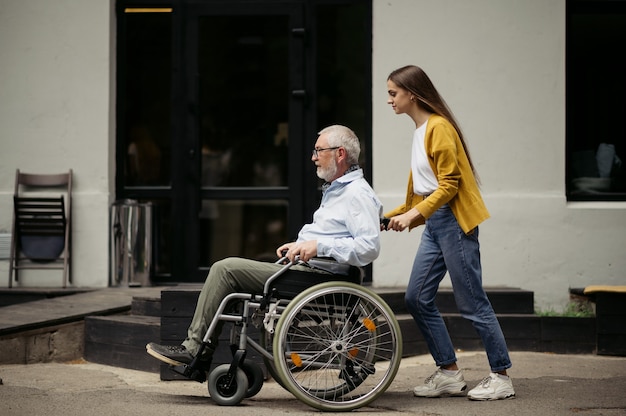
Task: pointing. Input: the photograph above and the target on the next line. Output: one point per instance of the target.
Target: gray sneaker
(440, 384)
(492, 387)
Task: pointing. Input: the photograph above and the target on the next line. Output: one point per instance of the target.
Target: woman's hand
(402, 221)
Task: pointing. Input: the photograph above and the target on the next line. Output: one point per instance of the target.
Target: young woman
(443, 194)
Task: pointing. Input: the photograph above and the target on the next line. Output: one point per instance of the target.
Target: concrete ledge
(51, 344)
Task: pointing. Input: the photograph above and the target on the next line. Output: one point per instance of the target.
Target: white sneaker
(441, 384)
(493, 387)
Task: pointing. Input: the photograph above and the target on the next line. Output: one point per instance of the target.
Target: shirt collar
(344, 178)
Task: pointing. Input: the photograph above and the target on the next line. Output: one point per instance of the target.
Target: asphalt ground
(545, 384)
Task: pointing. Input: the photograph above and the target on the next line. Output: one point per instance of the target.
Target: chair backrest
(40, 216)
(43, 180)
(40, 226)
(35, 181)
(41, 219)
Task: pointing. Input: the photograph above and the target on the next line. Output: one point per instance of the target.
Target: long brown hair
(413, 79)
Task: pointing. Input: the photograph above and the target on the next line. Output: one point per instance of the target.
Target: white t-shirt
(424, 179)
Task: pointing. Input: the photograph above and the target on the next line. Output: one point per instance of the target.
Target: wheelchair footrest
(191, 373)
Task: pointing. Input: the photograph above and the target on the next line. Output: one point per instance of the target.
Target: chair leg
(12, 259)
(16, 278)
(13, 269)
(67, 259)
(65, 272)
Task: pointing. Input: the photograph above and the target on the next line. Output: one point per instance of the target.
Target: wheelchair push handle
(285, 260)
(286, 263)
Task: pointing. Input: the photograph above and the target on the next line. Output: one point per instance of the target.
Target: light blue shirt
(347, 223)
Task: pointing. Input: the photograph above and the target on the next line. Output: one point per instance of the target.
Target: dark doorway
(218, 107)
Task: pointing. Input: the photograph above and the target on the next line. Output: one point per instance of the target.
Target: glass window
(244, 86)
(343, 69)
(251, 229)
(243, 77)
(145, 96)
(595, 105)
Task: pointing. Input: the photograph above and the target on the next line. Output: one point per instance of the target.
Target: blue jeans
(445, 247)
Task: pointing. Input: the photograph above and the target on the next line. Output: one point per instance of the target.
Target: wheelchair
(332, 343)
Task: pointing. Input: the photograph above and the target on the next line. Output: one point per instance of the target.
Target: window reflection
(250, 229)
(243, 64)
(144, 157)
(596, 144)
(145, 98)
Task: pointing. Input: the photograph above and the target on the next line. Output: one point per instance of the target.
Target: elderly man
(345, 227)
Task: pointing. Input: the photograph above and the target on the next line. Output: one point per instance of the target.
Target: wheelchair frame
(336, 346)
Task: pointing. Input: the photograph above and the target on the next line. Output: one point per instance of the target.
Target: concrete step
(19, 295)
(47, 325)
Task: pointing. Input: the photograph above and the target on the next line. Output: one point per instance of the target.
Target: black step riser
(121, 341)
(502, 301)
(146, 306)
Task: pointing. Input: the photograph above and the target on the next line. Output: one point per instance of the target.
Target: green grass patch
(578, 309)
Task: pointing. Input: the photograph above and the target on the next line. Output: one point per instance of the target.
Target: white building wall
(500, 64)
(55, 69)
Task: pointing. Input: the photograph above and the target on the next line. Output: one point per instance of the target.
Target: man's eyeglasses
(316, 151)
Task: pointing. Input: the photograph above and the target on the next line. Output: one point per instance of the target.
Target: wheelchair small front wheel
(254, 374)
(227, 389)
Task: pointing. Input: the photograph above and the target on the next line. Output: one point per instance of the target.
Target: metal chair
(42, 224)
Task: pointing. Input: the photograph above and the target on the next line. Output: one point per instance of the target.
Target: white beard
(328, 173)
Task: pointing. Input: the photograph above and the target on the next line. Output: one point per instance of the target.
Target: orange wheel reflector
(369, 324)
(296, 359)
(353, 352)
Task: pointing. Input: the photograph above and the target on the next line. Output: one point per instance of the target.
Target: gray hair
(342, 136)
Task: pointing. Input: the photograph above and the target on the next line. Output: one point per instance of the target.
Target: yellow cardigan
(457, 184)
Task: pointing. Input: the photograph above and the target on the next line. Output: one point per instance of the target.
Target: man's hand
(282, 250)
(306, 250)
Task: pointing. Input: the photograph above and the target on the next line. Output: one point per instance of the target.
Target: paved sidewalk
(546, 384)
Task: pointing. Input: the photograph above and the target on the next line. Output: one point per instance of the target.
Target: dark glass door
(218, 105)
(243, 133)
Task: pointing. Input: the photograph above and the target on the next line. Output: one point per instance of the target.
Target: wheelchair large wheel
(337, 346)
(267, 342)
